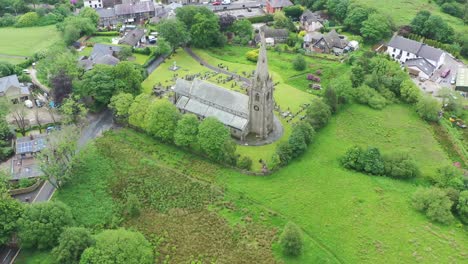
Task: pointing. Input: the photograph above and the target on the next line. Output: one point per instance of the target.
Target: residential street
(97, 125)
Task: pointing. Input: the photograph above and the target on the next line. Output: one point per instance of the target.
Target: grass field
(403, 11)
(27, 41)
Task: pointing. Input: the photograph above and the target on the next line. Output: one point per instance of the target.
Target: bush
(352, 159)
(400, 165)
(428, 108)
(244, 163)
(252, 55)
(28, 20)
(7, 20)
(284, 152)
(452, 9)
(462, 207)
(24, 183)
(372, 161)
(449, 177)
(435, 203)
(144, 51)
(297, 142)
(106, 33)
(72, 242)
(366, 95)
(261, 19)
(299, 63)
(318, 113)
(291, 240)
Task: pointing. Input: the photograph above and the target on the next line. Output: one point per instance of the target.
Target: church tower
(261, 101)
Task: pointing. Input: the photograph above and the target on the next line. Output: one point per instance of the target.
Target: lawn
(27, 41)
(403, 11)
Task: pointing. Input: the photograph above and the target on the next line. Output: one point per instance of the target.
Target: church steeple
(261, 101)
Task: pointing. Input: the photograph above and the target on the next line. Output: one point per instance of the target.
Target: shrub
(252, 55)
(284, 152)
(299, 63)
(297, 142)
(400, 165)
(307, 130)
(435, 203)
(72, 242)
(428, 108)
(291, 240)
(244, 163)
(372, 161)
(366, 95)
(318, 113)
(462, 207)
(261, 19)
(28, 20)
(106, 33)
(24, 183)
(449, 176)
(352, 159)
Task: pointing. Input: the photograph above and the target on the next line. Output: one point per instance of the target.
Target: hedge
(261, 19)
(106, 33)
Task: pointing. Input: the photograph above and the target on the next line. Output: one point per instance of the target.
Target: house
(461, 83)
(134, 38)
(311, 21)
(107, 17)
(24, 164)
(415, 55)
(11, 88)
(279, 35)
(242, 114)
(160, 13)
(331, 42)
(137, 12)
(101, 54)
(311, 38)
(93, 3)
(273, 6)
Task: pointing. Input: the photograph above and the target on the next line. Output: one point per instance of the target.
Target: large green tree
(119, 247)
(71, 244)
(356, 17)
(174, 32)
(120, 104)
(10, 210)
(205, 32)
(90, 13)
(42, 223)
(215, 140)
(138, 110)
(187, 14)
(318, 113)
(428, 108)
(186, 131)
(161, 120)
(435, 203)
(376, 28)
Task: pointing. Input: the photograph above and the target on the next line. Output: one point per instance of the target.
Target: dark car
(38, 103)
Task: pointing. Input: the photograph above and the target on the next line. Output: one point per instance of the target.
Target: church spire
(261, 74)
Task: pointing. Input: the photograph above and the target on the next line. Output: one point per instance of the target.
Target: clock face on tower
(256, 108)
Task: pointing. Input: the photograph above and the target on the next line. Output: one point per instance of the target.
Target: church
(242, 114)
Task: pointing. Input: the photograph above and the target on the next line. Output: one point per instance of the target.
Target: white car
(28, 104)
(226, 2)
(454, 80)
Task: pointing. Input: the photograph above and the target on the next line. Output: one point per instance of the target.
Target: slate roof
(106, 12)
(275, 33)
(100, 50)
(280, 3)
(101, 54)
(139, 7)
(132, 37)
(415, 47)
(310, 16)
(422, 64)
(334, 41)
(312, 37)
(12, 81)
(209, 100)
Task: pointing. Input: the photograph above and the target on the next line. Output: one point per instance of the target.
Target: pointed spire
(262, 63)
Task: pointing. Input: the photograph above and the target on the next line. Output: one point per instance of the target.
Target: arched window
(257, 97)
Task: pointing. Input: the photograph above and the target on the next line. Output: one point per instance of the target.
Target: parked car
(28, 103)
(454, 80)
(25, 71)
(215, 3)
(226, 2)
(38, 102)
(152, 39)
(445, 73)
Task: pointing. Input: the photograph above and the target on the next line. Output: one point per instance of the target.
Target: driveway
(33, 74)
(449, 63)
(35, 114)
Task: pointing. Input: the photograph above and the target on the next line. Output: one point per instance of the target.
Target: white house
(311, 21)
(421, 59)
(93, 3)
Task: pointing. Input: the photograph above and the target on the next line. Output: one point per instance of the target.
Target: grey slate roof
(422, 64)
(334, 41)
(275, 33)
(208, 100)
(309, 16)
(106, 12)
(280, 3)
(12, 81)
(139, 7)
(100, 50)
(312, 37)
(132, 37)
(101, 54)
(415, 47)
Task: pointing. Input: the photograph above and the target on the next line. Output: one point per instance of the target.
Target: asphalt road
(96, 126)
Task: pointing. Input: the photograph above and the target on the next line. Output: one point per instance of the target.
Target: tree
(282, 21)
(297, 142)
(71, 244)
(291, 240)
(452, 9)
(138, 110)
(57, 159)
(306, 129)
(244, 163)
(428, 108)
(129, 77)
(6, 69)
(18, 112)
(449, 176)
(242, 29)
(419, 21)
(284, 151)
(372, 161)
(205, 32)
(352, 159)
(400, 165)
(174, 32)
(409, 92)
(119, 247)
(42, 223)
(91, 14)
(343, 89)
(376, 28)
(318, 113)
(338, 8)
(124, 53)
(435, 203)
(73, 111)
(186, 131)
(462, 207)
(61, 86)
(120, 104)
(215, 140)
(187, 14)
(163, 47)
(436, 28)
(74, 27)
(355, 18)
(331, 99)
(293, 12)
(161, 120)
(98, 83)
(10, 210)
(299, 63)
(226, 21)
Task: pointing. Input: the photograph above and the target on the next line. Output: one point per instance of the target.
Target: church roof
(209, 100)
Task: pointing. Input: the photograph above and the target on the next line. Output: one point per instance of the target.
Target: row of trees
(432, 26)
(162, 120)
(395, 165)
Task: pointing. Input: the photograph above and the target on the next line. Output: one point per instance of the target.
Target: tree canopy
(71, 244)
(215, 140)
(174, 32)
(10, 210)
(161, 120)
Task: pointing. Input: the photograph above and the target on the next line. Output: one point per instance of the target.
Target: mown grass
(27, 41)
(403, 11)
(12, 60)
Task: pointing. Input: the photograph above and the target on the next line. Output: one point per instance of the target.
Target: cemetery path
(214, 68)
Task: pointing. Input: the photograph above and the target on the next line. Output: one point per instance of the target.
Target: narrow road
(155, 64)
(216, 69)
(33, 74)
(97, 125)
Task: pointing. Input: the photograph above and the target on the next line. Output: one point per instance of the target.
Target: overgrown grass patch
(27, 41)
